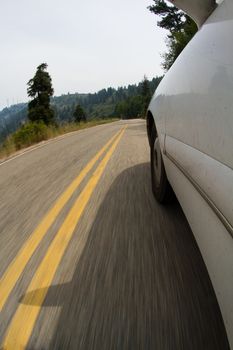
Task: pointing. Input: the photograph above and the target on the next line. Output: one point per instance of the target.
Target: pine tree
(40, 89)
(180, 26)
(79, 114)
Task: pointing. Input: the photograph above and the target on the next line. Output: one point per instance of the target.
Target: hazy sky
(88, 45)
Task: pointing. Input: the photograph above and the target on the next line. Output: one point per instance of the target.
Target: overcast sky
(88, 45)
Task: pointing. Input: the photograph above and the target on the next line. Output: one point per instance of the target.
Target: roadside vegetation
(34, 132)
(41, 123)
(124, 102)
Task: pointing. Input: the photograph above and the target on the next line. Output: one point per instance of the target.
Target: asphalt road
(100, 265)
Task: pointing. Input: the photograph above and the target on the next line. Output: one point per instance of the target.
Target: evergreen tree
(181, 27)
(79, 114)
(40, 89)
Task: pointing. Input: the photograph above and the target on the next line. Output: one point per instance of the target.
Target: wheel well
(150, 122)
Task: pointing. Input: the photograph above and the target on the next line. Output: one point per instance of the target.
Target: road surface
(89, 260)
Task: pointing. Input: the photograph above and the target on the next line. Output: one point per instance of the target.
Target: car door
(199, 125)
(199, 143)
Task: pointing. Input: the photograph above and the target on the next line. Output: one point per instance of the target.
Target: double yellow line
(23, 321)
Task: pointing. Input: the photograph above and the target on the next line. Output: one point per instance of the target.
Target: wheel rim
(157, 161)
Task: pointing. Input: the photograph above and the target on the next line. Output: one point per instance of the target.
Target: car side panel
(193, 113)
(200, 89)
(212, 178)
(214, 241)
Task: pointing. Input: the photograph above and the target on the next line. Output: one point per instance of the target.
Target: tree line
(126, 102)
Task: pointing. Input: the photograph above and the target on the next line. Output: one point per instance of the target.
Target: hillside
(124, 102)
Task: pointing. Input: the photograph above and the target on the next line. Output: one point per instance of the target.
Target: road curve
(89, 260)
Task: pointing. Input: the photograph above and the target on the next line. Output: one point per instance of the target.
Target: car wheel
(160, 185)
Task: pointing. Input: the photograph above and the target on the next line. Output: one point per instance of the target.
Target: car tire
(160, 186)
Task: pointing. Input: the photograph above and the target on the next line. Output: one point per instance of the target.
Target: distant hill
(11, 118)
(125, 102)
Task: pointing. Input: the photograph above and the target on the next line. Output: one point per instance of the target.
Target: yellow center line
(26, 315)
(17, 266)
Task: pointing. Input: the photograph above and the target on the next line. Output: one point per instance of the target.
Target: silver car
(190, 130)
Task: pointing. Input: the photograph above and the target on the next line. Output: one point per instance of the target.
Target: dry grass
(26, 137)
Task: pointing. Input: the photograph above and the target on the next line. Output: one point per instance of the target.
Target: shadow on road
(140, 282)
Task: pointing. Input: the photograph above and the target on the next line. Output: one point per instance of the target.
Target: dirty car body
(190, 130)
